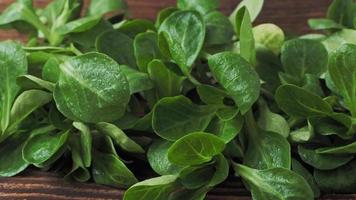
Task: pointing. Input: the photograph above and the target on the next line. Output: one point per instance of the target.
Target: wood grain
(38, 185)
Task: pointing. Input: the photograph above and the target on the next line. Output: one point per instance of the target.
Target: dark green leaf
(202, 6)
(119, 137)
(195, 148)
(175, 117)
(301, 56)
(158, 188)
(158, 158)
(184, 32)
(342, 70)
(299, 102)
(237, 76)
(109, 170)
(42, 147)
(298, 168)
(275, 184)
(138, 81)
(322, 161)
(106, 6)
(13, 63)
(340, 180)
(102, 99)
(146, 49)
(118, 46)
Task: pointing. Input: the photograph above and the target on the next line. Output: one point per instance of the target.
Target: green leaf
(118, 46)
(164, 14)
(299, 102)
(253, 6)
(13, 63)
(238, 77)
(340, 180)
(343, 12)
(211, 95)
(32, 82)
(303, 134)
(50, 70)
(221, 171)
(266, 150)
(177, 31)
(219, 29)
(323, 24)
(109, 170)
(202, 6)
(43, 147)
(195, 148)
(158, 188)
(102, 99)
(302, 56)
(157, 156)
(85, 143)
(226, 130)
(22, 12)
(272, 122)
(138, 81)
(195, 177)
(342, 71)
(298, 168)
(119, 137)
(322, 161)
(245, 34)
(79, 145)
(275, 184)
(167, 82)
(146, 49)
(343, 149)
(269, 35)
(26, 103)
(175, 117)
(133, 27)
(88, 38)
(339, 38)
(106, 6)
(11, 159)
(79, 25)
(339, 124)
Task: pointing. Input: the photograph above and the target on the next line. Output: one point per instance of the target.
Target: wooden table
(291, 15)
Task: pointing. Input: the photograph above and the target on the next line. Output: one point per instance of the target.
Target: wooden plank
(36, 185)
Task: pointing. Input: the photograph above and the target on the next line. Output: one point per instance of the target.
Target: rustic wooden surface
(291, 15)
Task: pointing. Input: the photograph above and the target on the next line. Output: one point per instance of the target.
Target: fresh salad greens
(169, 109)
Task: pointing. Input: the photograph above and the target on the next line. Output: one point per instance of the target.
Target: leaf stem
(251, 125)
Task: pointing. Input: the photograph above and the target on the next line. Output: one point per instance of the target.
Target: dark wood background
(291, 15)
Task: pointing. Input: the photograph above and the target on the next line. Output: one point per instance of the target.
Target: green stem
(251, 125)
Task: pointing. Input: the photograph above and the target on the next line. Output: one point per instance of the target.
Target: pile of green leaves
(186, 99)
